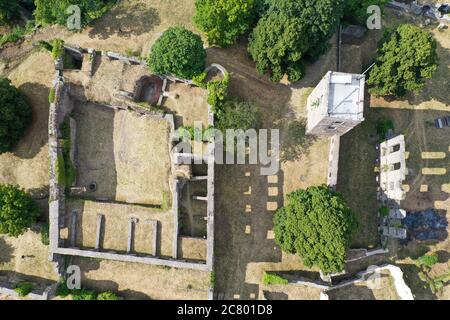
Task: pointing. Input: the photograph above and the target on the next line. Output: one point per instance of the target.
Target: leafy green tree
(18, 210)
(54, 11)
(407, 57)
(356, 10)
(15, 115)
(291, 31)
(224, 21)
(9, 10)
(178, 51)
(317, 225)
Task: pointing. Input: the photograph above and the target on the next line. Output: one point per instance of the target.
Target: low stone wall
(403, 291)
(367, 253)
(333, 166)
(47, 294)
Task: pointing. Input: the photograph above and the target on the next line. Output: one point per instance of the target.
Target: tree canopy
(178, 51)
(407, 57)
(54, 11)
(318, 225)
(9, 9)
(356, 11)
(18, 210)
(224, 21)
(15, 115)
(291, 31)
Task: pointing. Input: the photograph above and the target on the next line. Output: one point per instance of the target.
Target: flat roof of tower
(346, 95)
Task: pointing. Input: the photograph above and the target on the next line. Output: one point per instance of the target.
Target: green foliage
(428, 260)
(224, 21)
(57, 48)
(200, 80)
(189, 133)
(16, 34)
(68, 173)
(318, 225)
(54, 11)
(383, 127)
(108, 295)
(23, 288)
(238, 115)
(44, 45)
(61, 170)
(407, 57)
(356, 11)
(212, 279)
(45, 232)
(218, 93)
(62, 290)
(271, 278)
(178, 51)
(291, 31)
(9, 10)
(83, 294)
(51, 95)
(384, 211)
(15, 115)
(18, 210)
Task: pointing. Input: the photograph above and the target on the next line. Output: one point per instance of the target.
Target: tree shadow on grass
(419, 287)
(297, 142)
(126, 21)
(6, 251)
(36, 135)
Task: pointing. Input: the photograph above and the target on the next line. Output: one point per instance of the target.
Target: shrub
(407, 57)
(200, 80)
(317, 225)
(383, 127)
(212, 279)
(18, 210)
(57, 48)
(224, 21)
(384, 211)
(218, 93)
(23, 288)
(271, 278)
(428, 260)
(62, 290)
(83, 294)
(108, 295)
(16, 34)
(45, 228)
(15, 115)
(178, 51)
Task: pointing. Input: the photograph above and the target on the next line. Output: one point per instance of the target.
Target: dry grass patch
(115, 231)
(26, 258)
(27, 165)
(140, 281)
